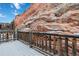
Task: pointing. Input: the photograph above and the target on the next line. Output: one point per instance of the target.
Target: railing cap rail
(62, 35)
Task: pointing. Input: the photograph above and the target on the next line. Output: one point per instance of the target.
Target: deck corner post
(30, 39)
(16, 34)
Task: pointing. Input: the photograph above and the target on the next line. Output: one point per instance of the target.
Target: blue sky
(8, 11)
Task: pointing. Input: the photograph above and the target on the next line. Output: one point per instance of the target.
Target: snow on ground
(17, 48)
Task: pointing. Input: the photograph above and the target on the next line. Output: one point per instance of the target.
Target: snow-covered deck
(17, 48)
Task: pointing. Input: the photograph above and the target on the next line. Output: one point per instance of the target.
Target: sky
(8, 11)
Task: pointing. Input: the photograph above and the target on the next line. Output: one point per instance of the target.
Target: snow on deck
(17, 48)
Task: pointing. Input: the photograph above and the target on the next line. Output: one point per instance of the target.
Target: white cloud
(17, 5)
(15, 12)
(1, 15)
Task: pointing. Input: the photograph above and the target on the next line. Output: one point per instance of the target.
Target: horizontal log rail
(52, 44)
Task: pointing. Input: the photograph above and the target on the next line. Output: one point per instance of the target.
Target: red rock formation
(19, 19)
(58, 16)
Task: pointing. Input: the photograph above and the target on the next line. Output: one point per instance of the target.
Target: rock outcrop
(49, 17)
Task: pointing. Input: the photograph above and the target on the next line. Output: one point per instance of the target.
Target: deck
(17, 48)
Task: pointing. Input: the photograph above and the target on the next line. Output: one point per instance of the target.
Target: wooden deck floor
(17, 48)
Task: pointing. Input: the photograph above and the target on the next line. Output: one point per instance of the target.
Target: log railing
(52, 44)
(7, 35)
(49, 43)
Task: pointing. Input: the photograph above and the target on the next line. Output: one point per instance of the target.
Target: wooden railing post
(54, 45)
(37, 41)
(49, 43)
(66, 46)
(45, 44)
(74, 47)
(7, 37)
(0, 37)
(16, 34)
(30, 38)
(13, 35)
(60, 52)
(42, 44)
(3, 36)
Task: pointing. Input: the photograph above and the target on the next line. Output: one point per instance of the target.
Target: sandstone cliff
(50, 17)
